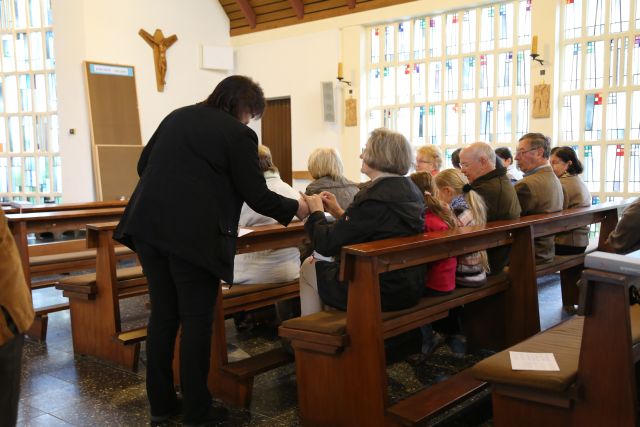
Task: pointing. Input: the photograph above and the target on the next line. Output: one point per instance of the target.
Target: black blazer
(198, 168)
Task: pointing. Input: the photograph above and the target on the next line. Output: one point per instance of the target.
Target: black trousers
(182, 294)
(10, 373)
(569, 250)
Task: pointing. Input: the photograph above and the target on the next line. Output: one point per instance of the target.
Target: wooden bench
(596, 384)
(571, 266)
(340, 360)
(47, 258)
(95, 316)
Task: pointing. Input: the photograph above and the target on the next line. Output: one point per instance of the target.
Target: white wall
(290, 61)
(108, 32)
(295, 67)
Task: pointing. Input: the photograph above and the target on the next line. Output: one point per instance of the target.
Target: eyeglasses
(521, 152)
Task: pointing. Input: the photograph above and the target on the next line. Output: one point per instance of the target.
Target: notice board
(115, 128)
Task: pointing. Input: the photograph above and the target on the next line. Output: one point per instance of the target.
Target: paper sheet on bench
(242, 231)
(521, 361)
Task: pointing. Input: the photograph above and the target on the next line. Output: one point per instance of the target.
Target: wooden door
(276, 134)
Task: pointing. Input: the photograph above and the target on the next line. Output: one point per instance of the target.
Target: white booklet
(522, 361)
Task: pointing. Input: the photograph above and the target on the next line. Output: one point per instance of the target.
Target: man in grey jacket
(539, 191)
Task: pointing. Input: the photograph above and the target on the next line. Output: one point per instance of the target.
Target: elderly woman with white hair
(390, 205)
(325, 167)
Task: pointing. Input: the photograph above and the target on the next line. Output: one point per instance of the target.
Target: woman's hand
(303, 209)
(331, 204)
(314, 202)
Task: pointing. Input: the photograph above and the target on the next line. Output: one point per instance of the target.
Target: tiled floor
(60, 389)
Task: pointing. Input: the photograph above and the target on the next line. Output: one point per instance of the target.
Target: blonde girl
(468, 206)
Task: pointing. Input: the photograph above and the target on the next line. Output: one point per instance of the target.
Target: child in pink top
(441, 275)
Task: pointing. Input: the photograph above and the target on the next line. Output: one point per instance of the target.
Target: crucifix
(160, 44)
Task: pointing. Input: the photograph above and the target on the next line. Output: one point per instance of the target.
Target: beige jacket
(541, 192)
(14, 293)
(576, 195)
(626, 237)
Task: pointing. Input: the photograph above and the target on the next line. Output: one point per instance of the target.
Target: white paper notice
(243, 231)
(521, 361)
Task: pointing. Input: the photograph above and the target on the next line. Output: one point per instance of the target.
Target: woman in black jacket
(198, 168)
(388, 206)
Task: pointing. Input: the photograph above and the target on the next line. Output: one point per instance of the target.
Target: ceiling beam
(351, 4)
(248, 12)
(298, 7)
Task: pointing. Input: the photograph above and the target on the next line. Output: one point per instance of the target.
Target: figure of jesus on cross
(160, 44)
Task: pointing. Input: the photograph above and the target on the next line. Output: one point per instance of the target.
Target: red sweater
(441, 275)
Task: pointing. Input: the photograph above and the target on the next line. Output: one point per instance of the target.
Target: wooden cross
(160, 44)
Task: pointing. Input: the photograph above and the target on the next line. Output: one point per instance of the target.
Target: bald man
(478, 163)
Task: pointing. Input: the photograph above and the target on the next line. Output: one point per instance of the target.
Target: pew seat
(563, 340)
(326, 331)
(131, 282)
(595, 352)
(67, 257)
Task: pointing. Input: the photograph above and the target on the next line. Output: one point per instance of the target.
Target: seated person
(568, 168)
(272, 265)
(505, 156)
(478, 163)
(428, 159)
(626, 236)
(469, 208)
(390, 206)
(539, 191)
(325, 167)
(441, 274)
(455, 158)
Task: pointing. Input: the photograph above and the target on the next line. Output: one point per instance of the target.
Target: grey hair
(388, 151)
(485, 150)
(538, 140)
(325, 162)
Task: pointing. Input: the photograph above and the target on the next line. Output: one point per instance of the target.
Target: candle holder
(536, 57)
(342, 80)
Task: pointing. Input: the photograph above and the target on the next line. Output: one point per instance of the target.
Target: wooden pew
(23, 224)
(340, 359)
(593, 387)
(59, 207)
(95, 315)
(571, 266)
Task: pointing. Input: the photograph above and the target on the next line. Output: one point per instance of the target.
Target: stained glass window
(600, 111)
(29, 147)
(634, 169)
(404, 41)
(454, 77)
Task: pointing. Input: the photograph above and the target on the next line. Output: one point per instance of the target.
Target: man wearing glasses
(540, 190)
(489, 179)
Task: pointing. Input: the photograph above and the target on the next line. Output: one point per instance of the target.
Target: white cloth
(310, 301)
(513, 173)
(270, 266)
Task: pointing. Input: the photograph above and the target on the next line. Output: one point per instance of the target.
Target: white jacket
(270, 266)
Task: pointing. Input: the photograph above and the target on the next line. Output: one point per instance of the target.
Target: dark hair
(237, 95)
(538, 140)
(455, 158)
(504, 153)
(568, 154)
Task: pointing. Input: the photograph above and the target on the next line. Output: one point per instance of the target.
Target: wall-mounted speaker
(328, 102)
